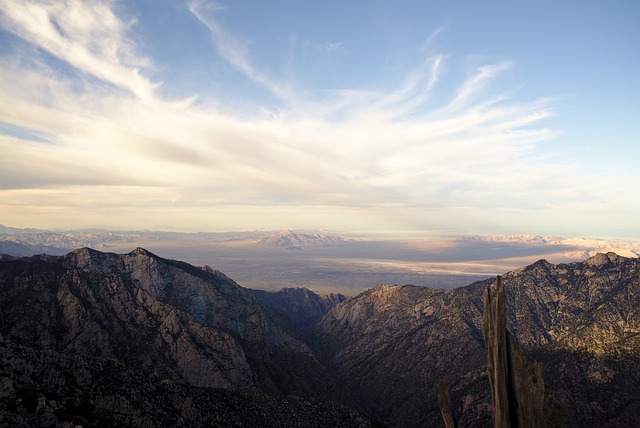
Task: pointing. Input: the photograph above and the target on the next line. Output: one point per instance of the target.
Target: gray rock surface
(136, 340)
(392, 344)
(50, 389)
(157, 318)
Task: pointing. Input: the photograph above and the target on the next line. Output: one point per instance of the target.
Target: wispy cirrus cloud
(472, 87)
(86, 34)
(232, 49)
(353, 158)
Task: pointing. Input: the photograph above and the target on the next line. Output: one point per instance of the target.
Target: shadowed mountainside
(116, 339)
(392, 344)
(159, 318)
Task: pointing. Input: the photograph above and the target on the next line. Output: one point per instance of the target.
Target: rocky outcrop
(296, 310)
(517, 385)
(44, 388)
(147, 341)
(161, 321)
(162, 317)
(392, 344)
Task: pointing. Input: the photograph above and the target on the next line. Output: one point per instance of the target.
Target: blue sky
(403, 116)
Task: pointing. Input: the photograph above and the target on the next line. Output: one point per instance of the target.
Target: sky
(493, 117)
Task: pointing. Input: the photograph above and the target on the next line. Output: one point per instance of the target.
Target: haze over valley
(328, 262)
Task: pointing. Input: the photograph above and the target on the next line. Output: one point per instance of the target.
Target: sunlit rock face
(138, 340)
(392, 344)
(161, 319)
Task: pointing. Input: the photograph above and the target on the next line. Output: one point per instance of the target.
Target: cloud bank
(89, 141)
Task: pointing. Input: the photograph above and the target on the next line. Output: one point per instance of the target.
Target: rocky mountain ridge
(186, 335)
(161, 318)
(36, 241)
(389, 343)
(61, 242)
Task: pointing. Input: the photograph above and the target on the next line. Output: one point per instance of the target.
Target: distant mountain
(102, 239)
(21, 249)
(104, 339)
(294, 240)
(70, 240)
(11, 230)
(578, 248)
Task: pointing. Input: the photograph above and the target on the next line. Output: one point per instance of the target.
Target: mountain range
(295, 240)
(37, 241)
(328, 262)
(104, 339)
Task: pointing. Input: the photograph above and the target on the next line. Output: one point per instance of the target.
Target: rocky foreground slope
(112, 340)
(392, 344)
(148, 318)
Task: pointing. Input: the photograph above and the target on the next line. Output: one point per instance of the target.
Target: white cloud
(233, 50)
(86, 34)
(476, 83)
(117, 156)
